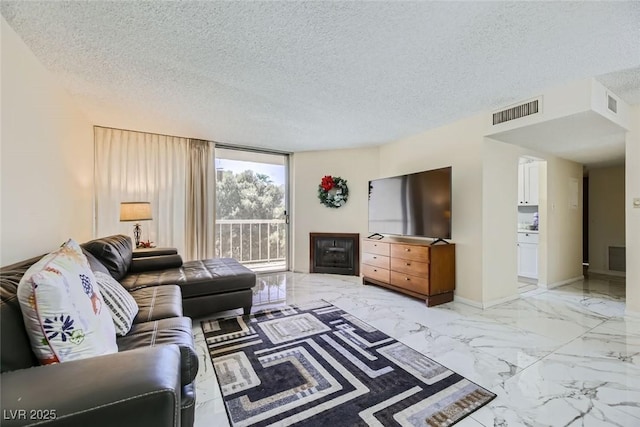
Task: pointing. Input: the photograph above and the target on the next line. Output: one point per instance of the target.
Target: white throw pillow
(63, 310)
(122, 305)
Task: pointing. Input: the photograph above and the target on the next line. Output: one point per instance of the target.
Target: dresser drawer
(375, 260)
(412, 252)
(375, 247)
(410, 282)
(415, 268)
(376, 273)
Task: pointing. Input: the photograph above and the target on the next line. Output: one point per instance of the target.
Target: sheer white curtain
(200, 221)
(142, 167)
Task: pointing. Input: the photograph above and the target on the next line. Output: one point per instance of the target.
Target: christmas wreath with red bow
(333, 191)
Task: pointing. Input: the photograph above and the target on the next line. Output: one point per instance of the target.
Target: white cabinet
(528, 255)
(531, 177)
(528, 183)
(528, 260)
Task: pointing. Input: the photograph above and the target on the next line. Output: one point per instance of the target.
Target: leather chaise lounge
(207, 286)
(150, 381)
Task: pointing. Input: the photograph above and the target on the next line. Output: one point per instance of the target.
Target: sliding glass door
(251, 208)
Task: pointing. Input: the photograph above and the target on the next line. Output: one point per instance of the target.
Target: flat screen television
(417, 204)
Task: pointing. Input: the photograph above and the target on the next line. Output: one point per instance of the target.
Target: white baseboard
(563, 282)
(609, 273)
(486, 304)
(466, 301)
(499, 301)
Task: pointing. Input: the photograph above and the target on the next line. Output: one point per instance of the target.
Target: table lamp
(135, 211)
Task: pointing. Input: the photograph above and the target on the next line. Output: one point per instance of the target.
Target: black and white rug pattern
(316, 365)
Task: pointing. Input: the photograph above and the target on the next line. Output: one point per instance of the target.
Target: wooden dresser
(414, 268)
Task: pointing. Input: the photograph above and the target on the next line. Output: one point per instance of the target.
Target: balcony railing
(260, 244)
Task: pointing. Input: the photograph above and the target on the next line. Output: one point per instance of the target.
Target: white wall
(458, 145)
(499, 220)
(606, 215)
(46, 175)
(357, 166)
(564, 222)
(632, 215)
(560, 233)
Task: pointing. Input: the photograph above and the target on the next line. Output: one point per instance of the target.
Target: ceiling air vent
(516, 112)
(612, 104)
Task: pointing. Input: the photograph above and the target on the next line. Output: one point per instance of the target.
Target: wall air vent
(612, 104)
(522, 110)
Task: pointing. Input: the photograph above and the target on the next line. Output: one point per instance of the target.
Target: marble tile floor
(561, 357)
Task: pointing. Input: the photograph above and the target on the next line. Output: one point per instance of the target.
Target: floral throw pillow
(63, 310)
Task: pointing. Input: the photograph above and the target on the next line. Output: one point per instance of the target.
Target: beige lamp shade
(135, 211)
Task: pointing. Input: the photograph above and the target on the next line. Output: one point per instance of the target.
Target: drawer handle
(407, 279)
(407, 249)
(375, 245)
(407, 264)
(375, 270)
(375, 257)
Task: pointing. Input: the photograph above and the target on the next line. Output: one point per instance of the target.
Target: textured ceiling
(299, 76)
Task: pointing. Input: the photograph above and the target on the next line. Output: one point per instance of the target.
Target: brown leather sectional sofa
(150, 381)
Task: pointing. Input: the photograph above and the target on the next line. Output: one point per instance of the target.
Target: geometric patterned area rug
(316, 365)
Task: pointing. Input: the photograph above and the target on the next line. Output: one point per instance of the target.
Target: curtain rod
(151, 133)
(252, 149)
(218, 144)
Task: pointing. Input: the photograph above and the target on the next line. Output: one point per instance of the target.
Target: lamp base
(137, 232)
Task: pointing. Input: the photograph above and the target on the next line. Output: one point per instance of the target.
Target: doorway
(252, 215)
(530, 205)
(604, 230)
